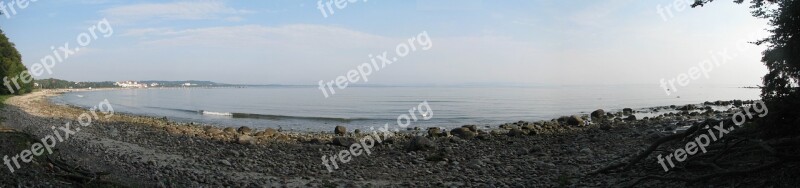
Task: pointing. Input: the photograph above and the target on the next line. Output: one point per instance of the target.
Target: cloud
(204, 10)
(298, 35)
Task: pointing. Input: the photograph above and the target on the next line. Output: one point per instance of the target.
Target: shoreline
(136, 150)
(326, 126)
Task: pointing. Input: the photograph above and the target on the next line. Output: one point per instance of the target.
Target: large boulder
(575, 121)
(229, 130)
(687, 107)
(627, 111)
(419, 143)
(463, 133)
(340, 130)
(473, 128)
(245, 139)
(516, 133)
(434, 132)
(244, 130)
(630, 118)
(269, 132)
(598, 114)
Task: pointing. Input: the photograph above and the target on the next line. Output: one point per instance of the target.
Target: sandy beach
(141, 151)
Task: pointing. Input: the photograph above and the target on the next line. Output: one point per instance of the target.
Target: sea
(305, 108)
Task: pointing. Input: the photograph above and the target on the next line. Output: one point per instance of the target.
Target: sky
(579, 42)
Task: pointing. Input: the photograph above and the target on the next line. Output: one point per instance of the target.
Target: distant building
(154, 85)
(130, 84)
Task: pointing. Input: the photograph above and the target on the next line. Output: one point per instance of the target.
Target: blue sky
(474, 41)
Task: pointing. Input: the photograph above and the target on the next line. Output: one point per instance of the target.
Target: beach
(139, 151)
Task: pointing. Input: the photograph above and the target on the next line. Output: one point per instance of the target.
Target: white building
(130, 84)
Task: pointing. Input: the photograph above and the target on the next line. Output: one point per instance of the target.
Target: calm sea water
(303, 108)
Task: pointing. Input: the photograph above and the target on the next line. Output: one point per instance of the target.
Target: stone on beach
(340, 130)
(464, 133)
(434, 132)
(343, 141)
(575, 121)
(598, 114)
(420, 143)
(245, 130)
(229, 130)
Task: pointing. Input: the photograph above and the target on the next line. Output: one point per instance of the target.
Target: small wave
(175, 109)
(280, 117)
(216, 113)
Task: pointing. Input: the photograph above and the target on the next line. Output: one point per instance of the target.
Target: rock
(245, 139)
(340, 130)
(630, 118)
(463, 133)
(484, 135)
(230, 130)
(737, 103)
(357, 131)
(598, 114)
(234, 153)
(563, 119)
(472, 128)
(516, 133)
(627, 111)
(225, 162)
(575, 121)
(687, 107)
(213, 131)
(343, 141)
(420, 143)
(586, 151)
(434, 132)
(508, 126)
(606, 126)
(245, 130)
(269, 132)
(529, 127)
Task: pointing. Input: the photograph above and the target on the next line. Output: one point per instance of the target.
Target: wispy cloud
(204, 10)
(253, 35)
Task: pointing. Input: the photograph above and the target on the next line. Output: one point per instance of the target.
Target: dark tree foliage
(11, 67)
(780, 90)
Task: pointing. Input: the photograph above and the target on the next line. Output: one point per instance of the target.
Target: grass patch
(3, 99)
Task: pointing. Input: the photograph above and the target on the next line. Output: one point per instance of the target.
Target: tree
(782, 58)
(768, 145)
(11, 67)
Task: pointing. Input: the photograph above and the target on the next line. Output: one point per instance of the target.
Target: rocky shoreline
(152, 152)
